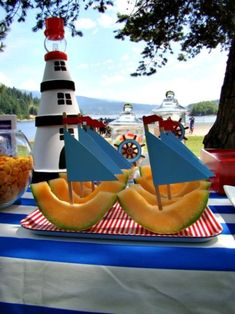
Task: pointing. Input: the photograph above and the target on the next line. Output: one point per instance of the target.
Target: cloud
(106, 21)
(4, 79)
(123, 6)
(125, 57)
(82, 66)
(85, 23)
(109, 80)
(30, 85)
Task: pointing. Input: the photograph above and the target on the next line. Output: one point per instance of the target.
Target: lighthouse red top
(54, 39)
(54, 28)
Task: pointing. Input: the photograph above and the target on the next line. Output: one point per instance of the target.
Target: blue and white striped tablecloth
(44, 274)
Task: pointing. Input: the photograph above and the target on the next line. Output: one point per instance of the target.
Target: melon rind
(68, 216)
(172, 218)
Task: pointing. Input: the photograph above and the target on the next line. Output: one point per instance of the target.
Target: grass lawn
(194, 143)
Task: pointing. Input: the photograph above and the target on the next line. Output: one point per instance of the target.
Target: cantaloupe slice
(59, 187)
(146, 182)
(151, 198)
(87, 187)
(71, 217)
(177, 189)
(63, 175)
(172, 218)
(145, 171)
(180, 189)
(124, 176)
(81, 189)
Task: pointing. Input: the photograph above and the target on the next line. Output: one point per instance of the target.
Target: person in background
(191, 124)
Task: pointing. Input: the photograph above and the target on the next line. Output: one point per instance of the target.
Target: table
(44, 274)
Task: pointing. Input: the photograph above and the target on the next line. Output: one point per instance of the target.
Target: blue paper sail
(170, 139)
(87, 140)
(168, 165)
(110, 150)
(82, 164)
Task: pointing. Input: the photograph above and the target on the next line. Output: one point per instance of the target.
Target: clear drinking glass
(16, 165)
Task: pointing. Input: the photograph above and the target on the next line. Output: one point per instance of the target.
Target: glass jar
(16, 165)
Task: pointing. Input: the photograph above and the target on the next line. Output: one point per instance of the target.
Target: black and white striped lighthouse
(57, 97)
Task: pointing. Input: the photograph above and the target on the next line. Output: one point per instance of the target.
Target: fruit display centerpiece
(90, 176)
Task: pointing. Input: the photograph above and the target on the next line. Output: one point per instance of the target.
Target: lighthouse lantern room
(57, 96)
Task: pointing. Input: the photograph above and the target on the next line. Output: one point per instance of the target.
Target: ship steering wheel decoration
(179, 131)
(130, 148)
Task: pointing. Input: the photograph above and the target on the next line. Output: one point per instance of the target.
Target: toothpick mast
(88, 122)
(156, 118)
(168, 187)
(69, 182)
(157, 191)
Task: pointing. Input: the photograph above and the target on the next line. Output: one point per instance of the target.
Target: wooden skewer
(168, 187)
(82, 189)
(69, 182)
(158, 195)
(168, 191)
(89, 126)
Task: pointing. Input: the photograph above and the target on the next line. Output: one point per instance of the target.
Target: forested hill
(14, 101)
(204, 108)
(25, 104)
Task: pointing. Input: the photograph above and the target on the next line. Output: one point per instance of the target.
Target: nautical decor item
(86, 160)
(127, 133)
(130, 148)
(57, 96)
(171, 108)
(171, 161)
(176, 127)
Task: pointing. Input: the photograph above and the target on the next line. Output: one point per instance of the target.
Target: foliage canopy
(162, 25)
(191, 24)
(158, 23)
(69, 10)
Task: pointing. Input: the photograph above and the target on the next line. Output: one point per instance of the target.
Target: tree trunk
(222, 133)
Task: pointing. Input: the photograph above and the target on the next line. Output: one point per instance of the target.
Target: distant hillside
(96, 106)
(213, 102)
(107, 107)
(204, 108)
(25, 103)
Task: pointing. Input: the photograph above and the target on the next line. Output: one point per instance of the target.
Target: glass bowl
(16, 165)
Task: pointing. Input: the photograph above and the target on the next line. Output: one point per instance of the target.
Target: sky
(100, 65)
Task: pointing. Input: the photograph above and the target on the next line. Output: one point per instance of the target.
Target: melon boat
(68, 216)
(172, 218)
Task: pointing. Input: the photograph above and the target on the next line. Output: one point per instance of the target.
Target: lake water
(28, 127)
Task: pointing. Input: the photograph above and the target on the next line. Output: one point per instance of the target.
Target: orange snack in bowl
(15, 173)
